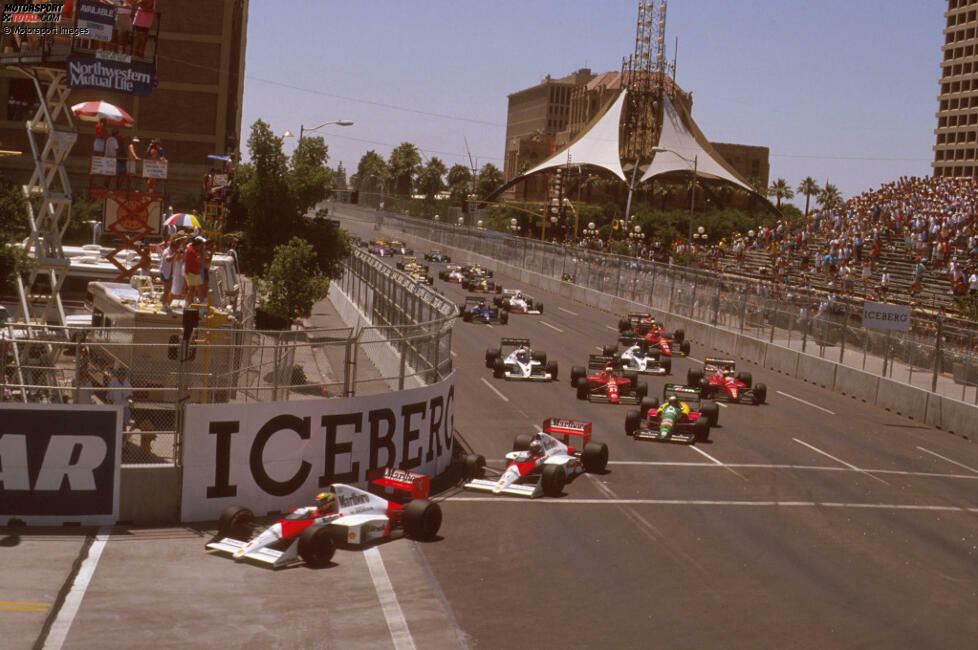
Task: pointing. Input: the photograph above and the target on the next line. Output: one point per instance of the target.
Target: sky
(844, 91)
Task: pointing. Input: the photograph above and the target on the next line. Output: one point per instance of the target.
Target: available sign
(60, 463)
(102, 74)
(278, 455)
(98, 17)
(880, 316)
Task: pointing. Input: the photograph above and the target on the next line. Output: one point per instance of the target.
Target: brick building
(957, 115)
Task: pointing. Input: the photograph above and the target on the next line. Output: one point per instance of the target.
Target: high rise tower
(957, 115)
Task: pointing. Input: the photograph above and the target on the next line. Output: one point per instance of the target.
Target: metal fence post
(672, 289)
(743, 310)
(844, 332)
(716, 306)
(937, 353)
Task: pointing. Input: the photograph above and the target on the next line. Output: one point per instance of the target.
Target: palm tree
(829, 196)
(459, 183)
(372, 173)
(490, 178)
(809, 188)
(430, 178)
(404, 163)
(780, 190)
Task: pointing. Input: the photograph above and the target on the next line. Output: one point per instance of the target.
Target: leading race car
(636, 354)
(343, 514)
(475, 309)
(515, 301)
(479, 284)
(515, 359)
(451, 273)
(542, 463)
(681, 417)
(437, 256)
(643, 325)
(719, 379)
(398, 248)
(410, 263)
(603, 380)
(379, 250)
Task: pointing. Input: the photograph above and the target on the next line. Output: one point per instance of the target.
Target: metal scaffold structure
(643, 74)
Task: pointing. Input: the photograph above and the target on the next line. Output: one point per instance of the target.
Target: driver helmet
(518, 296)
(536, 448)
(673, 401)
(522, 353)
(326, 502)
(609, 367)
(638, 351)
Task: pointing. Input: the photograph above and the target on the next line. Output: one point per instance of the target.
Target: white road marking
(607, 491)
(798, 399)
(494, 389)
(598, 347)
(613, 329)
(814, 468)
(839, 460)
(693, 359)
(489, 325)
(953, 462)
(708, 502)
(568, 311)
(721, 404)
(400, 634)
(731, 470)
(551, 326)
(66, 613)
(453, 353)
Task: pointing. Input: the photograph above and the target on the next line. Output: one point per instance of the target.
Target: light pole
(303, 129)
(692, 191)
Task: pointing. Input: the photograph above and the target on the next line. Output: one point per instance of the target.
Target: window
(22, 100)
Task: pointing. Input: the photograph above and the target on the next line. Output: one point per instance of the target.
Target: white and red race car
(517, 302)
(451, 273)
(542, 464)
(311, 536)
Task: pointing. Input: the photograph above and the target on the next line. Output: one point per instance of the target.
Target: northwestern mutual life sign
(133, 78)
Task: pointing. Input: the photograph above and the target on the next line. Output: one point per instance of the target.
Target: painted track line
(400, 634)
(812, 468)
(613, 329)
(453, 353)
(953, 462)
(69, 609)
(798, 399)
(721, 404)
(729, 469)
(839, 460)
(552, 327)
(693, 359)
(494, 389)
(568, 311)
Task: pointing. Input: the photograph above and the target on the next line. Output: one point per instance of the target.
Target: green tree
(809, 187)
(404, 163)
(490, 178)
(287, 288)
(780, 190)
(431, 178)
(13, 229)
(829, 196)
(310, 180)
(459, 183)
(372, 173)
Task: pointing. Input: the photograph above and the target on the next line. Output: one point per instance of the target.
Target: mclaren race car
(515, 359)
(515, 301)
(603, 380)
(719, 379)
(475, 309)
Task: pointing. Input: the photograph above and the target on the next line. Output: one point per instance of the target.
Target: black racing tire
(576, 373)
(641, 390)
(422, 519)
(582, 387)
(540, 307)
(609, 350)
(522, 442)
(667, 366)
(694, 376)
(633, 420)
(701, 430)
(631, 376)
(684, 348)
(465, 285)
(235, 522)
(466, 317)
(316, 546)
(655, 354)
(760, 393)
(647, 404)
(539, 356)
(679, 336)
(503, 318)
(711, 411)
(447, 260)
(498, 368)
(624, 325)
(498, 301)
(595, 457)
(552, 370)
(746, 378)
(473, 466)
(491, 355)
(553, 480)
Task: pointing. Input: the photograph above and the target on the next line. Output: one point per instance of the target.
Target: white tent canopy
(681, 143)
(597, 147)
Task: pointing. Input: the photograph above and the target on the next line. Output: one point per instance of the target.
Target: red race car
(644, 326)
(604, 381)
(719, 379)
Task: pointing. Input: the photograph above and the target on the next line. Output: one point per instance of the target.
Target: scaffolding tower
(643, 75)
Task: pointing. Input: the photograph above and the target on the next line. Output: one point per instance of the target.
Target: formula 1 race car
(674, 420)
(515, 301)
(398, 248)
(379, 250)
(410, 263)
(636, 354)
(644, 325)
(451, 273)
(603, 380)
(436, 256)
(422, 276)
(515, 359)
(476, 310)
(476, 271)
(542, 463)
(719, 379)
(343, 515)
(478, 284)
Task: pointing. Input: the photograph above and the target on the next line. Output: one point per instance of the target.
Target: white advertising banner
(273, 456)
(102, 166)
(880, 316)
(154, 168)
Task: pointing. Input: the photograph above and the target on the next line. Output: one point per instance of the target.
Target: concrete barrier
(903, 399)
(149, 494)
(952, 415)
(856, 383)
(816, 371)
(781, 360)
(723, 340)
(751, 349)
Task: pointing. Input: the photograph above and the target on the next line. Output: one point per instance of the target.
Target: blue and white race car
(638, 355)
(476, 309)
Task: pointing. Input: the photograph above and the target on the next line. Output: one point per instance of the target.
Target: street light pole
(692, 189)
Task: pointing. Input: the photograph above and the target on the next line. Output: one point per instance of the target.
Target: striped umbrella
(183, 220)
(95, 111)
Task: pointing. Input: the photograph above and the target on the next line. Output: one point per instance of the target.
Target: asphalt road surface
(811, 521)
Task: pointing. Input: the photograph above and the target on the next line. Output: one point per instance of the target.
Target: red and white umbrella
(95, 111)
(183, 220)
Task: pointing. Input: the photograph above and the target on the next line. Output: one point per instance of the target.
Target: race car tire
(711, 412)
(694, 376)
(465, 285)
(422, 519)
(504, 318)
(641, 390)
(701, 430)
(539, 356)
(498, 368)
(655, 354)
(235, 522)
(679, 336)
(498, 301)
(430, 281)
(576, 373)
(316, 546)
(760, 393)
(552, 370)
(595, 457)
(582, 387)
(466, 317)
(647, 404)
(473, 466)
(631, 376)
(447, 260)
(491, 355)
(553, 480)
(667, 366)
(746, 378)
(522, 442)
(488, 274)
(624, 325)
(540, 307)
(684, 348)
(609, 350)
(633, 420)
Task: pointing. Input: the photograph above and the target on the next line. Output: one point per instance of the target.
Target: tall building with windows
(957, 115)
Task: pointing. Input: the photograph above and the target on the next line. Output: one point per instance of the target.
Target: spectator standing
(142, 20)
(121, 155)
(111, 150)
(98, 145)
(120, 392)
(178, 247)
(123, 25)
(132, 157)
(191, 270)
(166, 273)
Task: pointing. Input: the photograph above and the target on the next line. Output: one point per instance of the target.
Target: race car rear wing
(475, 299)
(514, 342)
(599, 361)
(639, 314)
(563, 428)
(399, 484)
(713, 361)
(684, 393)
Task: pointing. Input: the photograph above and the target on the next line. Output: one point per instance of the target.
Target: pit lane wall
(940, 411)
